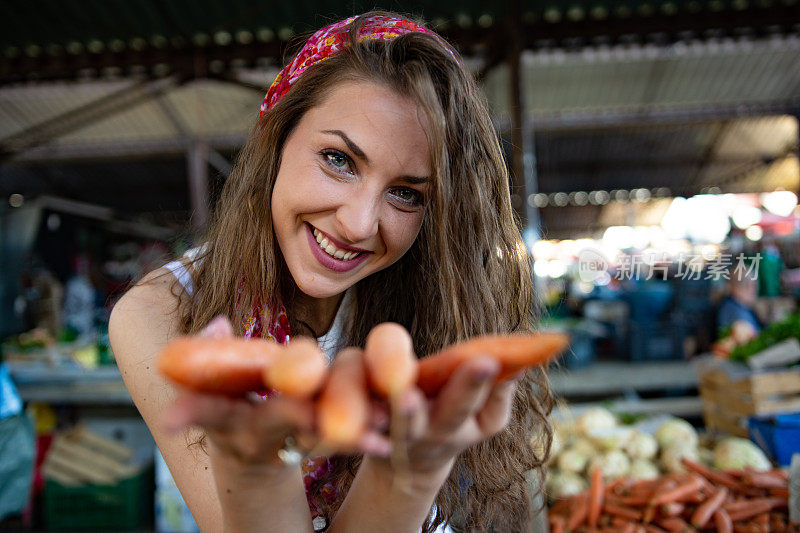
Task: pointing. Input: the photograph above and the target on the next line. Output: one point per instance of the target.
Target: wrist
(236, 466)
(430, 478)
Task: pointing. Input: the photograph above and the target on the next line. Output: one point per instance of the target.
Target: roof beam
(635, 118)
(82, 116)
(197, 61)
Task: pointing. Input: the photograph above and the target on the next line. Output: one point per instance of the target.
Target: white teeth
(331, 248)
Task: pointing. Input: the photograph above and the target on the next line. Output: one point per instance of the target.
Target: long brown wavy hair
(467, 273)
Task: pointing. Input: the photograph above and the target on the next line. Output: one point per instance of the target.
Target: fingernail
(408, 404)
(217, 327)
(374, 445)
(485, 371)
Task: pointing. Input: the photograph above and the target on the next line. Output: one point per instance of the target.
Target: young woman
(371, 189)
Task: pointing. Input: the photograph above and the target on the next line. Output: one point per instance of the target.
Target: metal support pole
(525, 179)
(197, 167)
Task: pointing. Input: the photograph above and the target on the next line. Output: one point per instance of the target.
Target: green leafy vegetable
(771, 335)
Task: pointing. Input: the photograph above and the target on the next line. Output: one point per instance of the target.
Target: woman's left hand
(470, 408)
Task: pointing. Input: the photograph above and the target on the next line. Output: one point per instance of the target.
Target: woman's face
(350, 192)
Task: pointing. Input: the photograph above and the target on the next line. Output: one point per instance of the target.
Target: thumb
(219, 328)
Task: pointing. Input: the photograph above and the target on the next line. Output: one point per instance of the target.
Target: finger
(219, 327)
(465, 393)
(379, 417)
(496, 413)
(373, 443)
(412, 407)
(211, 412)
(282, 413)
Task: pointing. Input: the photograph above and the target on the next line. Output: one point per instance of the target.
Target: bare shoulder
(142, 322)
(149, 307)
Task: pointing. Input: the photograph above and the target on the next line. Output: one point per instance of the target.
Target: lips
(332, 253)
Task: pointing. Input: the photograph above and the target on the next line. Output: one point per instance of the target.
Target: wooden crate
(728, 402)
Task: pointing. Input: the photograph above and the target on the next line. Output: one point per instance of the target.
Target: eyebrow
(414, 180)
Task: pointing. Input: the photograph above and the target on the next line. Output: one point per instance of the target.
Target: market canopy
(683, 95)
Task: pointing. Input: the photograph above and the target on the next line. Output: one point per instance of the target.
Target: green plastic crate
(126, 506)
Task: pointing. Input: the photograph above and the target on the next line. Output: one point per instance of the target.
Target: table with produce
(658, 474)
(741, 472)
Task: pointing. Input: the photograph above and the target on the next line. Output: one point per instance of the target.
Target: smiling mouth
(331, 249)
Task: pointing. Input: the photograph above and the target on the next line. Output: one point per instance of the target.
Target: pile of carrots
(701, 499)
(342, 394)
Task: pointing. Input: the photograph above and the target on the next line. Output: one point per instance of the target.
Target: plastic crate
(125, 506)
(778, 436)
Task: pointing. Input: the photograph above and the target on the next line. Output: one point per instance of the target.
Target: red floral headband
(329, 40)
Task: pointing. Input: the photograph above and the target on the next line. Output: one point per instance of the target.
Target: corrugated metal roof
(684, 157)
(557, 84)
(624, 78)
(570, 98)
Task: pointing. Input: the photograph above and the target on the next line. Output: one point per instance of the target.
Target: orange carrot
(704, 511)
(672, 509)
(560, 505)
(513, 352)
(764, 480)
(343, 405)
(617, 485)
(578, 512)
(746, 528)
(658, 486)
(718, 477)
(298, 370)
(595, 496)
(756, 507)
(673, 523)
(687, 488)
(556, 524)
(624, 512)
(634, 501)
(650, 528)
(390, 361)
(776, 522)
(617, 521)
(737, 505)
(722, 521)
(780, 473)
(780, 493)
(231, 366)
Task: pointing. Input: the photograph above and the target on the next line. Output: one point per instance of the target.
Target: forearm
(260, 497)
(377, 502)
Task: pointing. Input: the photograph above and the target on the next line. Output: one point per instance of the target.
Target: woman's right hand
(248, 432)
(243, 430)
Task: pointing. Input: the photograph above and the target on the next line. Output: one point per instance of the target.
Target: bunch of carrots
(235, 366)
(701, 499)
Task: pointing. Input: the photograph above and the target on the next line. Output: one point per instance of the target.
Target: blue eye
(409, 196)
(337, 160)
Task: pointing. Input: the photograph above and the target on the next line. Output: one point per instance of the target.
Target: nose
(358, 216)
